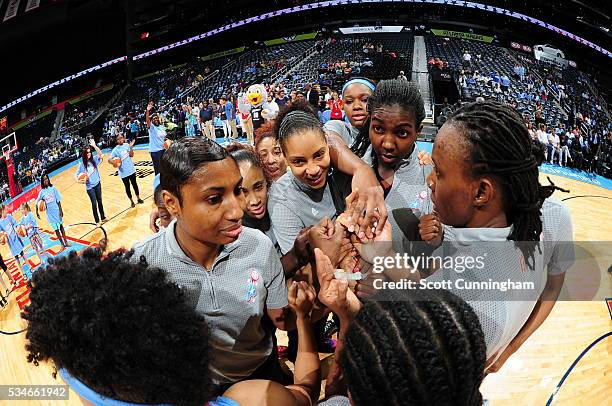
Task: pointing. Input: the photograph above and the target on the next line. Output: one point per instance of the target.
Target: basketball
(167, 143)
(21, 230)
(82, 177)
(116, 162)
(41, 205)
(3, 238)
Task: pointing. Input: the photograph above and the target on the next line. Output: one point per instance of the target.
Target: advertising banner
(462, 35)
(372, 29)
(521, 47)
(222, 54)
(293, 38)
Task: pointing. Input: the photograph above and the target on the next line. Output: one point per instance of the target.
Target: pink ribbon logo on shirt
(252, 286)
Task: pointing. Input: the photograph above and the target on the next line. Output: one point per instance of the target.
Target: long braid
(426, 347)
(501, 146)
(391, 92)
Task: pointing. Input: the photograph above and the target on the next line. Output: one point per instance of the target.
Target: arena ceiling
(60, 37)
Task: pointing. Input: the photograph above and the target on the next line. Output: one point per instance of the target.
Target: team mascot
(257, 98)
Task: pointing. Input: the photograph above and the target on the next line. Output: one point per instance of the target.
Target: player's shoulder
(554, 209)
(282, 187)
(336, 126)
(254, 239)
(150, 244)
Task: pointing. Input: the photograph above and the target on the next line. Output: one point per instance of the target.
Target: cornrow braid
(392, 92)
(423, 348)
(299, 116)
(501, 146)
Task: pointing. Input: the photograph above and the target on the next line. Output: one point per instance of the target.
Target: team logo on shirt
(418, 204)
(315, 212)
(252, 286)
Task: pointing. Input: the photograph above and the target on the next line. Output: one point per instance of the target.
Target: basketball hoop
(8, 145)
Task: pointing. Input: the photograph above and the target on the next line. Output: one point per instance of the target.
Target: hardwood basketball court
(529, 377)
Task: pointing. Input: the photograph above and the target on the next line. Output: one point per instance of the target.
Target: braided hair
(297, 117)
(423, 348)
(501, 146)
(392, 92)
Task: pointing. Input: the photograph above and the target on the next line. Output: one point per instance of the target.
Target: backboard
(8, 145)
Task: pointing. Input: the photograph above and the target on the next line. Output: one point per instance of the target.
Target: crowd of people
(578, 140)
(287, 234)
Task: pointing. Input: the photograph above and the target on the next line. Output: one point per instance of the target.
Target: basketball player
(151, 346)
(355, 94)
(243, 275)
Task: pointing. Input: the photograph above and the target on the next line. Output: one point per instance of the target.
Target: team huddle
(284, 234)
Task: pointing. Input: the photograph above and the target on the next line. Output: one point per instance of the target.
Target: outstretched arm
(364, 180)
(307, 373)
(92, 143)
(148, 114)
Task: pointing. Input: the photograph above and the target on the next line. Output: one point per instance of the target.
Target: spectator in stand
(134, 128)
(281, 100)
(564, 152)
(553, 147)
(505, 83)
(541, 134)
(191, 121)
(538, 118)
(576, 152)
(328, 94)
(274, 107)
(335, 105)
(206, 120)
(495, 77)
(230, 108)
(189, 131)
(312, 95)
(532, 132)
(467, 59)
(222, 114)
(401, 76)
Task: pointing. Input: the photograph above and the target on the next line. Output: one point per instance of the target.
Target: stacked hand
(334, 293)
(301, 298)
(430, 229)
(328, 237)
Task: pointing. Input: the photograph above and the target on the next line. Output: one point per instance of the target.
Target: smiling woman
(310, 191)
